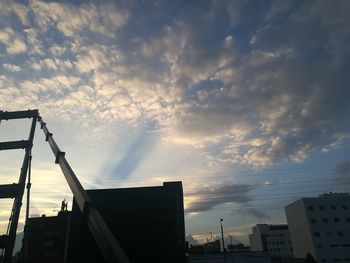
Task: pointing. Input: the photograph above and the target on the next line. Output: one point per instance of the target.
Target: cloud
(253, 212)
(8, 9)
(11, 67)
(244, 83)
(22, 13)
(13, 41)
(92, 58)
(35, 45)
(52, 64)
(288, 90)
(56, 84)
(18, 46)
(206, 199)
(343, 168)
(72, 19)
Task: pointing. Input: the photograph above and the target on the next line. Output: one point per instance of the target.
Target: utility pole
(223, 241)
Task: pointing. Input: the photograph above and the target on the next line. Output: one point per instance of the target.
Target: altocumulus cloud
(255, 83)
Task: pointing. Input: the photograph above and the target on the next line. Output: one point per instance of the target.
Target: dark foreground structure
(148, 222)
(46, 239)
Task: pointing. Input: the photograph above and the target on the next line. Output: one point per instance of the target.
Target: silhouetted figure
(310, 258)
(64, 205)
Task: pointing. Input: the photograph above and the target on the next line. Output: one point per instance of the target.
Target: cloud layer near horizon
(248, 83)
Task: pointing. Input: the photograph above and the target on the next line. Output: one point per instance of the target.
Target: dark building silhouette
(209, 248)
(148, 223)
(46, 238)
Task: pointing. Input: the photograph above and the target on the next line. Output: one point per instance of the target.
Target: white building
(321, 226)
(273, 239)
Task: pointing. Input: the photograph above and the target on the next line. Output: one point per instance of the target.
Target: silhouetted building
(148, 223)
(273, 239)
(45, 238)
(321, 226)
(209, 248)
(238, 248)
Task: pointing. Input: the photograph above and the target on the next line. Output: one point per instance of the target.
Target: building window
(310, 208)
(319, 246)
(336, 220)
(282, 242)
(322, 208)
(328, 234)
(340, 233)
(313, 221)
(323, 260)
(333, 207)
(317, 234)
(348, 219)
(333, 245)
(337, 260)
(345, 207)
(325, 220)
(345, 245)
(281, 235)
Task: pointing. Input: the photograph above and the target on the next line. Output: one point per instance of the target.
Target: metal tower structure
(105, 240)
(16, 191)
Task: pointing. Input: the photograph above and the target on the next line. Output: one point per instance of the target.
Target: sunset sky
(246, 102)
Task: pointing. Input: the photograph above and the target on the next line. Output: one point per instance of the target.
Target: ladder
(16, 190)
(108, 245)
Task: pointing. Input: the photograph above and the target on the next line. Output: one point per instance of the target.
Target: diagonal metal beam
(107, 243)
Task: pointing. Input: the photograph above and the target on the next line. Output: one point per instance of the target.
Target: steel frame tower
(16, 191)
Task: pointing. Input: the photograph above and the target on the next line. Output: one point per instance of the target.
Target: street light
(222, 237)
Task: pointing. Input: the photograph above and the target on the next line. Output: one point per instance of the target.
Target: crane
(106, 241)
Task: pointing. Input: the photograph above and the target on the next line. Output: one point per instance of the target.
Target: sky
(246, 102)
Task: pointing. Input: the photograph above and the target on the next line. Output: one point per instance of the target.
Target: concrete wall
(299, 229)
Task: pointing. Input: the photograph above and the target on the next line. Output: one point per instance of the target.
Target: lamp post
(223, 241)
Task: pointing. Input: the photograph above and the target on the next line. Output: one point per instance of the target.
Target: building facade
(273, 239)
(148, 223)
(321, 226)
